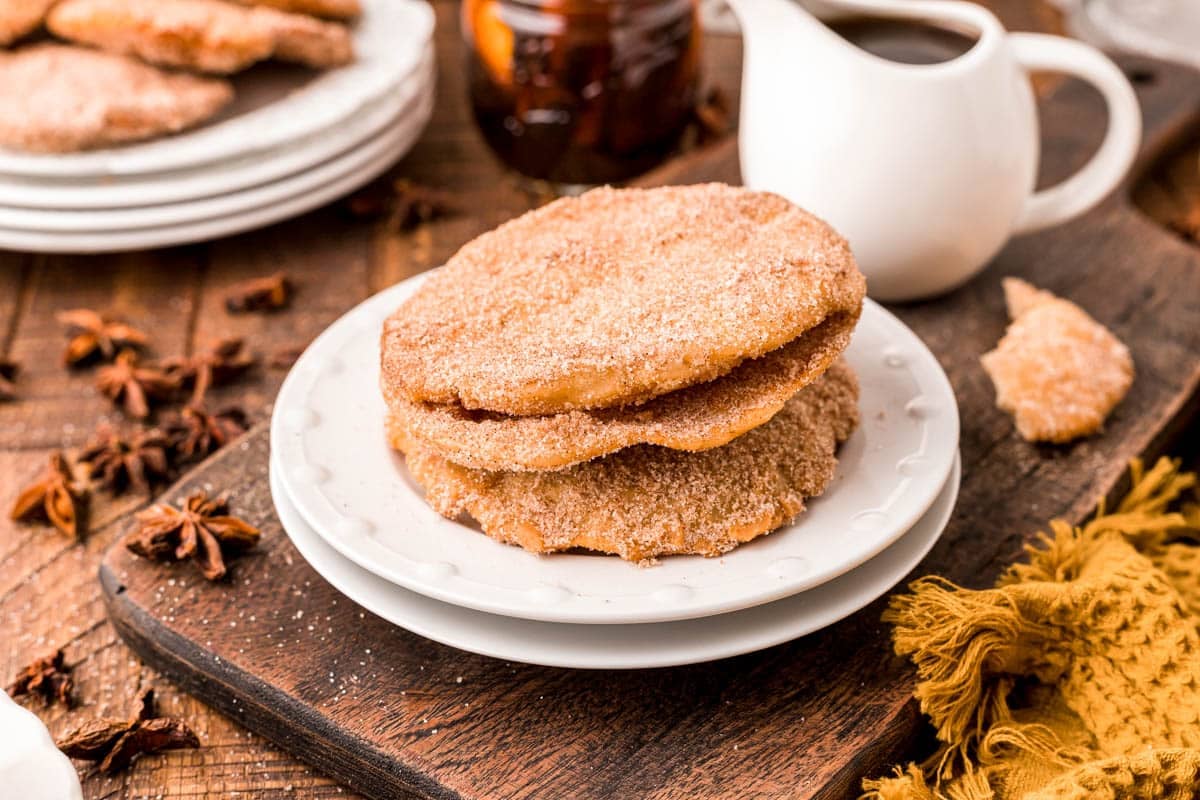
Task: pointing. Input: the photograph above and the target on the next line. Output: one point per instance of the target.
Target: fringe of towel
(968, 645)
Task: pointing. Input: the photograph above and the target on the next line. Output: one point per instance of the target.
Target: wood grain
(48, 593)
(394, 715)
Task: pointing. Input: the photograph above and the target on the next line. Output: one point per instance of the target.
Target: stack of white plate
(355, 514)
(293, 140)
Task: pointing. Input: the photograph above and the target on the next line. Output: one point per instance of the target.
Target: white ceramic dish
(277, 107)
(1166, 29)
(663, 644)
(950, 149)
(327, 432)
(265, 196)
(117, 241)
(105, 193)
(31, 766)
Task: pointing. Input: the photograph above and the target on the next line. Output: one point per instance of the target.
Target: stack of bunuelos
(638, 372)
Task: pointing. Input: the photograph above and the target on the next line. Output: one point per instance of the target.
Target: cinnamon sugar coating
(695, 418)
(19, 18)
(87, 99)
(615, 297)
(204, 35)
(1057, 371)
(649, 501)
(331, 9)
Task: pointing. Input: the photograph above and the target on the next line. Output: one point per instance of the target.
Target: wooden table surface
(49, 595)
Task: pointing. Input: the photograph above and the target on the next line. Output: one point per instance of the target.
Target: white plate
(264, 196)
(662, 644)
(231, 176)
(276, 106)
(45, 242)
(327, 431)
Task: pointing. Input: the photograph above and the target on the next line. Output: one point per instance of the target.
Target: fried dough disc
(301, 39)
(615, 297)
(19, 18)
(648, 501)
(86, 99)
(1057, 371)
(331, 9)
(698, 417)
(205, 35)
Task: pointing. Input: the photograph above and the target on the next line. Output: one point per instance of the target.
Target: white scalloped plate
(327, 434)
(267, 195)
(235, 175)
(347, 180)
(662, 644)
(32, 767)
(276, 107)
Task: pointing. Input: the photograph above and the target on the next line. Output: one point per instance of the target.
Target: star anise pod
(194, 433)
(200, 529)
(116, 463)
(47, 677)
(284, 357)
(371, 202)
(404, 203)
(116, 742)
(55, 496)
(132, 386)
(223, 363)
(96, 336)
(1187, 221)
(259, 294)
(8, 377)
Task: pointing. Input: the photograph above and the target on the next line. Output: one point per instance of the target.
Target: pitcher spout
(773, 21)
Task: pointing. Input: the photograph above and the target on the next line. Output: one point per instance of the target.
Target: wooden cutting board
(393, 715)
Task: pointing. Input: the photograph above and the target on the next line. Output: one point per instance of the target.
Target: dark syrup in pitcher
(903, 41)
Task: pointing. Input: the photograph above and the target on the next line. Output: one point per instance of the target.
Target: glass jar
(582, 91)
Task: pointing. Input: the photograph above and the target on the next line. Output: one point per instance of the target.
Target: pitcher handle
(1092, 183)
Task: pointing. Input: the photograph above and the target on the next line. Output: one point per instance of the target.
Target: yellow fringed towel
(1078, 676)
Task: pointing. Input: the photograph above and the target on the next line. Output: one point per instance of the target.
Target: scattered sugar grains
(1057, 371)
(615, 297)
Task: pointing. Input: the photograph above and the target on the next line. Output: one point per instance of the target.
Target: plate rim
(169, 215)
(253, 133)
(237, 175)
(582, 610)
(704, 648)
(210, 229)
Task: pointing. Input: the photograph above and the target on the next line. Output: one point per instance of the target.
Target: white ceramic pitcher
(926, 169)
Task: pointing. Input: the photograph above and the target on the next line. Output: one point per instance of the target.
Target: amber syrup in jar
(582, 91)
